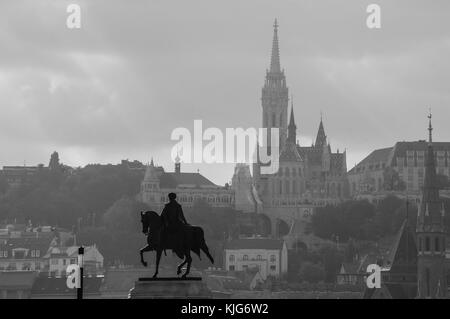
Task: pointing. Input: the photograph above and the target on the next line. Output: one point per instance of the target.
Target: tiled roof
(255, 243)
(312, 154)
(290, 154)
(337, 162)
(400, 148)
(172, 180)
(403, 254)
(377, 156)
(40, 243)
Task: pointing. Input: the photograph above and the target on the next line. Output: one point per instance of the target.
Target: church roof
(321, 138)
(403, 254)
(338, 162)
(290, 153)
(312, 154)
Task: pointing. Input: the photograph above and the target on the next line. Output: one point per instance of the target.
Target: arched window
(245, 257)
(272, 258)
(259, 257)
(427, 244)
(231, 258)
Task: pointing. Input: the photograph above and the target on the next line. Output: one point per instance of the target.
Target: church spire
(321, 138)
(430, 129)
(275, 59)
(431, 230)
(292, 128)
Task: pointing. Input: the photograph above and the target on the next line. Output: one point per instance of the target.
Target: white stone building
(268, 256)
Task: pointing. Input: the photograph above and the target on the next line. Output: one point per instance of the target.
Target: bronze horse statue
(192, 238)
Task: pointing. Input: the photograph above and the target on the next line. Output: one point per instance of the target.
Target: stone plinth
(169, 288)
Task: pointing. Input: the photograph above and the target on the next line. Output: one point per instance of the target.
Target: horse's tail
(200, 244)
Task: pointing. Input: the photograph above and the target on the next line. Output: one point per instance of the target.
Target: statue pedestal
(170, 288)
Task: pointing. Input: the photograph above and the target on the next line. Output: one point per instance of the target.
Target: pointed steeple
(321, 138)
(151, 162)
(430, 129)
(430, 192)
(292, 128)
(275, 59)
(431, 230)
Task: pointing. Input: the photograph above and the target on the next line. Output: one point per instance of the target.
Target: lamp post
(80, 264)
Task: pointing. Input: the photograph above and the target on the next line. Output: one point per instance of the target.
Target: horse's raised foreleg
(142, 251)
(158, 259)
(189, 262)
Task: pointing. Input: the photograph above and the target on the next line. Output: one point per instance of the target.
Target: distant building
(417, 267)
(189, 187)
(18, 175)
(268, 256)
(60, 257)
(25, 253)
(307, 173)
(398, 169)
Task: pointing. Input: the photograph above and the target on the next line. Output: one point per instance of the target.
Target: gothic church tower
(431, 234)
(275, 96)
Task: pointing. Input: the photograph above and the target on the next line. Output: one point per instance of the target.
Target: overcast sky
(117, 87)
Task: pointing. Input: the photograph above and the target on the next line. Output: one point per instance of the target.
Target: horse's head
(149, 219)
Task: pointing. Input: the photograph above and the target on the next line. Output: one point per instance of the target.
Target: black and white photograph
(224, 158)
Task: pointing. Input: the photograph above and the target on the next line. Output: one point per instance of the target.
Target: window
(73, 260)
(54, 261)
(273, 267)
(231, 258)
(427, 244)
(245, 257)
(259, 257)
(272, 258)
(64, 262)
(231, 268)
(38, 253)
(436, 244)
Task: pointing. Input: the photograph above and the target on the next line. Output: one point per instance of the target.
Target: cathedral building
(307, 174)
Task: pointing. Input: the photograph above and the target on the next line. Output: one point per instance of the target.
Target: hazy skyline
(116, 88)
